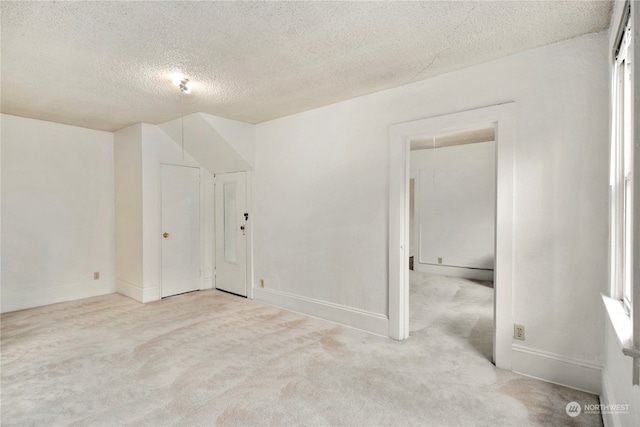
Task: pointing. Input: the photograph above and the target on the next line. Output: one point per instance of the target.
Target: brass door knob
(165, 235)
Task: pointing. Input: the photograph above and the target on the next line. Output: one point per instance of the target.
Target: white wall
(413, 180)
(128, 208)
(239, 135)
(321, 191)
(456, 200)
(617, 388)
(57, 213)
(220, 145)
(0, 211)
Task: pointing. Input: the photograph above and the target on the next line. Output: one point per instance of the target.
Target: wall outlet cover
(518, 332)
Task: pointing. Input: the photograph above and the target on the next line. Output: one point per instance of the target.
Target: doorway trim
(503, 118)
(244, 221)
(249, 228)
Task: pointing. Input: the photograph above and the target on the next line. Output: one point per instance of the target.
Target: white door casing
(503, 118)
(180, 222)
(231, 232)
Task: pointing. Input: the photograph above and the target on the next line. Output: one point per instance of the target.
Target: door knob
(242, 228)
(165, 235)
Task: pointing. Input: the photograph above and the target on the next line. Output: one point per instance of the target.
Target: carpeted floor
(209, 358)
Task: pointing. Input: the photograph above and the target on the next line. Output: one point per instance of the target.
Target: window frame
(621, 168)
(624, 185)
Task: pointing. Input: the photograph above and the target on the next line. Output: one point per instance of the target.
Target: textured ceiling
(107, 65)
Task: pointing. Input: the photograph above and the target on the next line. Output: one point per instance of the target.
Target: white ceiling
(107, 65)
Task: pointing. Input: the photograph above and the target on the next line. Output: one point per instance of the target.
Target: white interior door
(231, 232)
(181, 229)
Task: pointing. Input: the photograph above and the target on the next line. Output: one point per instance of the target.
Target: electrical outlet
(439, 260)
(518, 332)
(96, 275)
(262, 283)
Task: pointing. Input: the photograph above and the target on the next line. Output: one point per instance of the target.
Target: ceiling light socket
(182, 83)
(184, 86)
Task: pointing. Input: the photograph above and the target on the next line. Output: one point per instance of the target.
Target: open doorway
(452, 229)
(502, 119)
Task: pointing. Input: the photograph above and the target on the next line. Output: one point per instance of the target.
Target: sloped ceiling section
(108, 64)
(240, 136)
(207, 146)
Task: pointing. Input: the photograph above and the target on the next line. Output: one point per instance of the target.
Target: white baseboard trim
(609, 418)
(146, 294)
(557, 369)
(343, 315)
(57, 294)
(208, 283)
(151, 293)
(129, 290)
(444, 270)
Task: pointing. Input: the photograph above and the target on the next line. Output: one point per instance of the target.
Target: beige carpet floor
(209, 358)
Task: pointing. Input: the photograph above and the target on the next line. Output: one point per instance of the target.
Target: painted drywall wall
(0, 210)
(128, 209)
(220, 145)
(239, 135)
(58, 213)
(456, 206)
(415, 177)
(617, 388)
(321, 191)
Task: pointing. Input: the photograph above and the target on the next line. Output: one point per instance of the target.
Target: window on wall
(623, 311)
(622, 167)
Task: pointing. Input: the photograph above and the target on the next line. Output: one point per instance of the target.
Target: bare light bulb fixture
(183, 84)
